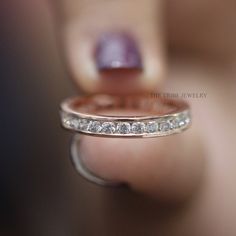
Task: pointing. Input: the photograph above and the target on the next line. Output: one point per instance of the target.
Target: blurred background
(37, 177)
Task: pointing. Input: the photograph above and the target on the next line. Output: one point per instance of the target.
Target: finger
(167, 167)
(113, 46)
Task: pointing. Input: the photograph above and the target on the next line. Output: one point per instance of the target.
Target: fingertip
(162, 168)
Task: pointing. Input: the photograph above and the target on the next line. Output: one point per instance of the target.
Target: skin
(186, 46)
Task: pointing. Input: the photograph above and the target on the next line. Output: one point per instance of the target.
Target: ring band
(88, 115)
(83, 170)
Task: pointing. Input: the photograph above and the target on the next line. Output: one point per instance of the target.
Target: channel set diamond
(94, 126)
(85, 115)
(108, 128)
(164, 126)
(84, 124)
(152, 127)
(123, 128)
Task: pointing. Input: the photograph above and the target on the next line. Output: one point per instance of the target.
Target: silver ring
(82, 169)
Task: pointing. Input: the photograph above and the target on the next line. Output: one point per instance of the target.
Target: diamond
(108, 128)
(66, 121)
(181, 122)
(94, 126)
(123, 127)
(83, 124)
(174, 123)
(74, 123)
(151, 127)
(165, 126)
(64, 117)
(70, 122)
(138, 127)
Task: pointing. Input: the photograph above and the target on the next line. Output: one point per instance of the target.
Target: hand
(201, 45)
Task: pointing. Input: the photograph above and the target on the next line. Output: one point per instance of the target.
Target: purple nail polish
(117, 50)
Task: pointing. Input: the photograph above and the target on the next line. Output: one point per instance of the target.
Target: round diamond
(74, 123)
(174, 123)
(123, 127)
(65, 117)
(108, 128)
(94, 126)
(165, 126)
(181, 122)
(69, 121)
(138, 127)
(151, 127)
(66, 121)
(83, 124)
(187, 120)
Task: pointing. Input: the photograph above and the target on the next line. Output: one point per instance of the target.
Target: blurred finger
(122, 54)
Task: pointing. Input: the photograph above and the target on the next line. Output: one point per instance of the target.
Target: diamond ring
(94, 115)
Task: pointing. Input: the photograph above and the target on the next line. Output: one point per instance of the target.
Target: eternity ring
(151, 117)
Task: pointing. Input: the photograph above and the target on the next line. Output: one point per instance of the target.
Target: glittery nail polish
(117, 51)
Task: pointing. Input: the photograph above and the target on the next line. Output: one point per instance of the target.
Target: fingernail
(117, 51)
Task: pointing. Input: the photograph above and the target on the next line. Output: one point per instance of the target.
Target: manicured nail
(117, 50)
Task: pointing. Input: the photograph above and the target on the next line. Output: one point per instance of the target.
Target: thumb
(112, 46)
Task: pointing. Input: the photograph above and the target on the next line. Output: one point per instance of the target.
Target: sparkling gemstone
(108, 128)
(138, 127)
(165, 126)
(83, 124)
(74, 123)
(184, 120)
(187, 120)
(151, 127)
(174, 123)
(181, 122)
(70, 122)
(123, 128)
(94, 126)
(65, 119)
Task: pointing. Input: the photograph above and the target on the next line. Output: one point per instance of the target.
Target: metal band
(93, 115)
(83, 170)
